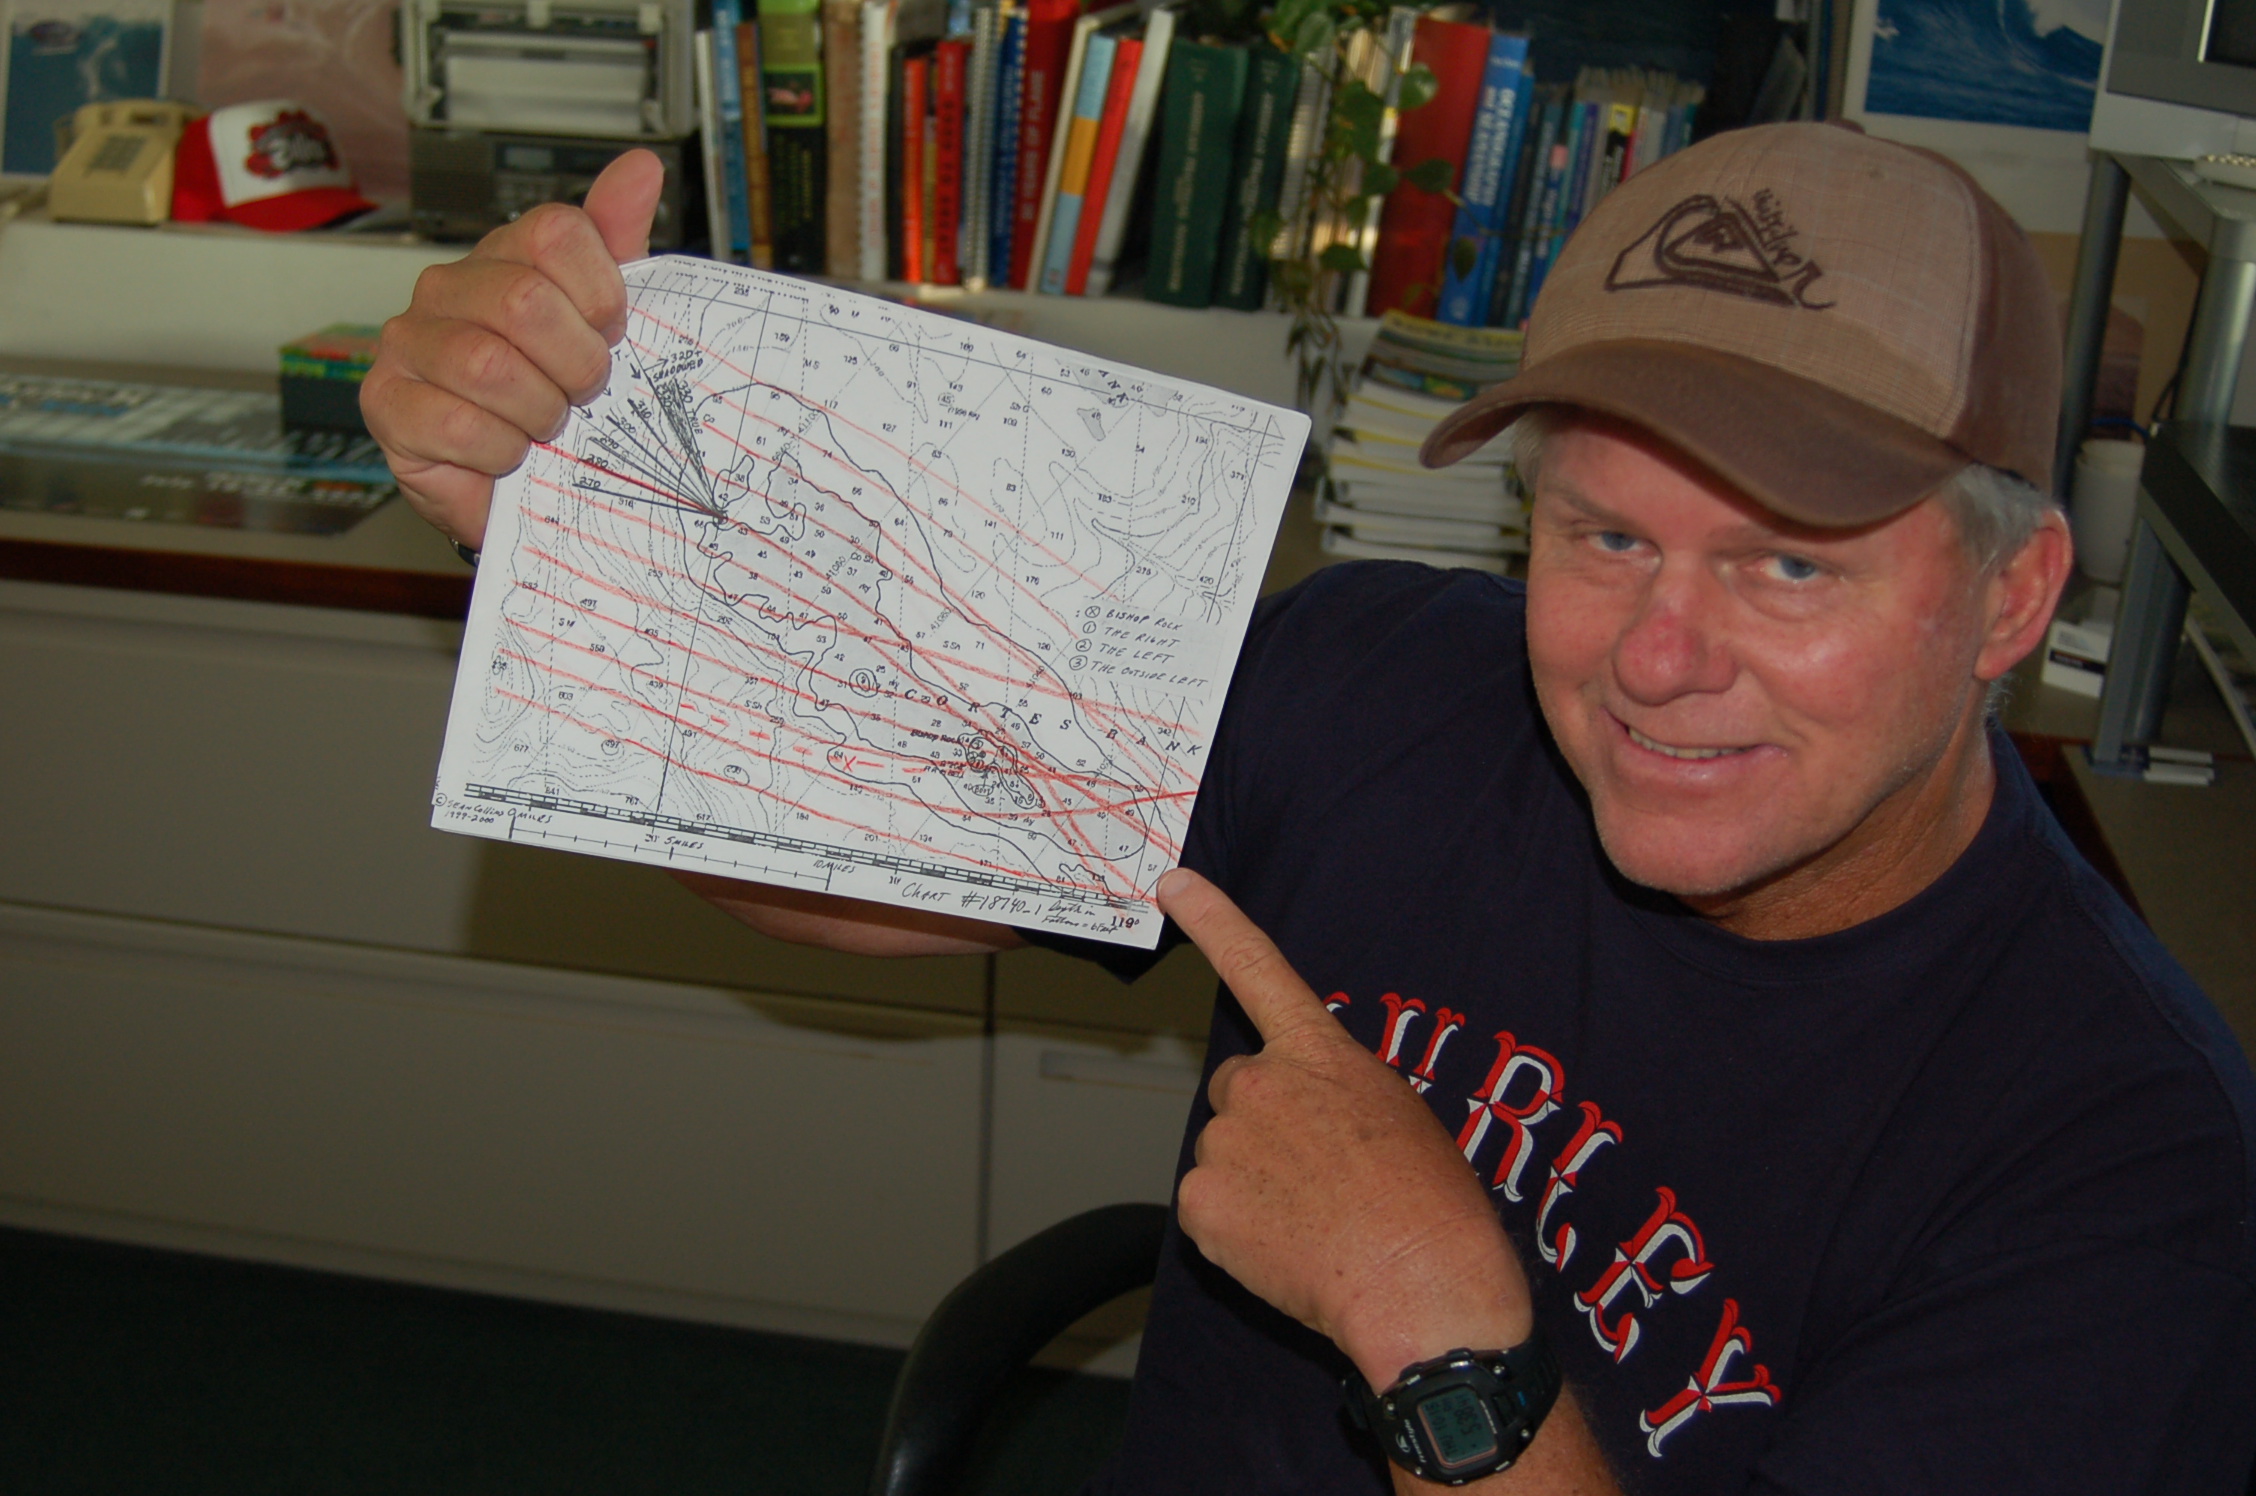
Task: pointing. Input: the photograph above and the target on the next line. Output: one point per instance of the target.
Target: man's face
(1739, 695)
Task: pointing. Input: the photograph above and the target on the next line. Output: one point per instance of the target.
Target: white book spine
(1135, 135)
(709, 142)
(1310, 104)
(877, 46)
(973, 242)
(1387, 68)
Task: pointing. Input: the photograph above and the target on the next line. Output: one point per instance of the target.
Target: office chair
(991, 1325)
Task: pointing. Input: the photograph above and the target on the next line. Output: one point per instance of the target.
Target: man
(1709, 1003)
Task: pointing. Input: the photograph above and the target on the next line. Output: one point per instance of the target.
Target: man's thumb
(622, 202)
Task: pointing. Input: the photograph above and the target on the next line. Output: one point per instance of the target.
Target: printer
(514, 103)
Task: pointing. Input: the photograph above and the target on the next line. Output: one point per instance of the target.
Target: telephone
(118, 167)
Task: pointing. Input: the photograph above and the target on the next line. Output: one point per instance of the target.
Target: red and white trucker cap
(1831, 323)
(272, 165)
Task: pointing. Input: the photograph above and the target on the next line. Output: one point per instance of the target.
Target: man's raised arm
(487, 359)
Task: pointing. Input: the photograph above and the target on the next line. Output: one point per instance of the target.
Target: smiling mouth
(1669, 751)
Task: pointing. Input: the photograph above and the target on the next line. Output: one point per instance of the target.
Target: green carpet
(129, 1370)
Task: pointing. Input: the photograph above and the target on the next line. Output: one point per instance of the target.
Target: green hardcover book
(791, 87)
(1257, 170)
(1198, 125)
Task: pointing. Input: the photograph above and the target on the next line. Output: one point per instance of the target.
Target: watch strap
(1462, 1415)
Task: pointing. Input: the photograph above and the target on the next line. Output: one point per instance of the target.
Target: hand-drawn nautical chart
(834, 593)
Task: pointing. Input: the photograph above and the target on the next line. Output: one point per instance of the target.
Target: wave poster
(64, 53)
(2033, 63)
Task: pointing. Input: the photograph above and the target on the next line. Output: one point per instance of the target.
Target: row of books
(1375, 500)
(1578, 144)
(1018, 142)
(935, 141)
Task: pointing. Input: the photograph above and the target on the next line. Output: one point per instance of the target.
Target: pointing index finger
(1272, 993)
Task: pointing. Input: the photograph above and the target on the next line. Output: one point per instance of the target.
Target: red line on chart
(933, 660)
(806, 764)
(840, 461)
(1106, 714)
(1087, 850)
(1111, 808)
(905, 454)
(1044, 773)
(922, 849)
(1028, 769)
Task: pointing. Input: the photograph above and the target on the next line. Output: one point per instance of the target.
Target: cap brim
(307, 208)
(1798, 448)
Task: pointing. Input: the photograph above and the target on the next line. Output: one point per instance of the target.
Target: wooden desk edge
(303, 583)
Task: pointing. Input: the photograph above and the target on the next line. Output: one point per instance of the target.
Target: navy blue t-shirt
(1955, 1200)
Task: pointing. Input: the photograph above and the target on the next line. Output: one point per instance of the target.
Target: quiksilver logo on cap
(1716, 244)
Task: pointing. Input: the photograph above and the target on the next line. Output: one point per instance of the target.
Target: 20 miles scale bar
(834, 593)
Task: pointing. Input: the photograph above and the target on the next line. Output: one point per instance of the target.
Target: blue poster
(1995, 62)
(64, 53)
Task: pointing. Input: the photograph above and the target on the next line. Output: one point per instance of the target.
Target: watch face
(1457, 1427)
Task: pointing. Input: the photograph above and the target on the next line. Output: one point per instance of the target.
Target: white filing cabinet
(250, 1002)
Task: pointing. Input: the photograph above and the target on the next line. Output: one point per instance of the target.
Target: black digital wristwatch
(1463, 1415)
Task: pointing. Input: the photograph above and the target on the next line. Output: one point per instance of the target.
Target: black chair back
(991, 1325)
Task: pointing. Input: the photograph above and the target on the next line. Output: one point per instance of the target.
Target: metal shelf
(2184, 539)
(2198, 493)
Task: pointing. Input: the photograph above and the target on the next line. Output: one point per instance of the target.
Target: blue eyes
(1796, 568)
(1778, 565)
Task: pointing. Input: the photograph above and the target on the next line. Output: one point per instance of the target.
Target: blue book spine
(1554, 211)
(1065, 217)
(1510, 190)
(1531, 219)
(1010, 78)
(728, 93)
(1590, 130)
(1469, 268)
(1065, 222)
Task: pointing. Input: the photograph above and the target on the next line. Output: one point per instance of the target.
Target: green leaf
(1357, 105)
(1432, 176)
(1312, 39)
(1463, 251)
(1288, 15)
(1343, 257)
(1379, 179)
(1266, 227)
(1417, 87)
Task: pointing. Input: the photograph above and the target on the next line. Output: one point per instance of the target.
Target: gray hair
(1994, 511)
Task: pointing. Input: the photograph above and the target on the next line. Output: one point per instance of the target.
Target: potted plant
(1335, 219)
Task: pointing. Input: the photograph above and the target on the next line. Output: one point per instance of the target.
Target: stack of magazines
(1376, 501)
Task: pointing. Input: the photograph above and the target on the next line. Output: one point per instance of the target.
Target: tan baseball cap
(1832, 323)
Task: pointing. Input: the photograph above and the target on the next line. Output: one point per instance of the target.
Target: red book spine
(949, 66)
(1049, 37)
(913, 111)
(1414, 227)
(1125, 60)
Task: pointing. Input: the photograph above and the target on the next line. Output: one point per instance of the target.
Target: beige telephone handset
(118, 167)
